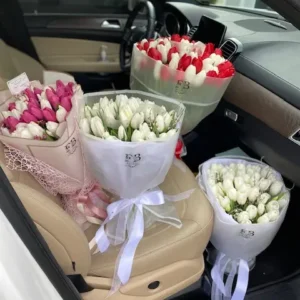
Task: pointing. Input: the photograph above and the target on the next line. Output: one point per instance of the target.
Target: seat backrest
(13, 62)
(64, 237)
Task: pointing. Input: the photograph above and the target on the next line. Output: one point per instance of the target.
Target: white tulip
(167, 120)
(214, 167)
(246, 178)
(159, 123)
(171, 132)
(87, 112)
(153, 44)
(144, 128)
(84, 124)
(111, 137)
(193, 54)
(260, 208)
(244, 188)
(241, 198)
(221, 188)
(250, 171)
(122, 133)
(23, 98)
(190, 73)
(272, 205)
(252, 211)
(272, 177)
(163, 50)
(232, 194)
(26, 134)
(121, 100)
(199, 78)
(134, 104)
(243, 217)
(229, 176)
(265, 171)
(151, 136)
(61, 114)
(174, 61)
(263, 198)
(225, 203)
(21, 106)
(241, 166)
(137, 136)
(253, 194)
(52, 126)
(238, 182)
(149, 114)
(5, 131)
(163, 136)
(232, 166)
(106, 135)
(125, 115)
(157, 68)
(137, 120)
(256, 168)
(109, 119)
(21, 125)
(6, 114)
(97, 127)
(104, 102)
(240, 173)
(282, 203)
(276, 188)
(256, 178)
(36, 130)
(273, 215)
(44, 104)
(263, 219)
(207, 64)
(95, 111)
(264, 184)
(113, 108)
(16, 114)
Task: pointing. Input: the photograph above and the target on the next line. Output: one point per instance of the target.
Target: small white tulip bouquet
(129, 140)
(38, 129)
(250, 201)
(195, 73)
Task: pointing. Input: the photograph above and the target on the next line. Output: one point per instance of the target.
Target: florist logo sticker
(247, 234)
(132, 160)
(71, 146)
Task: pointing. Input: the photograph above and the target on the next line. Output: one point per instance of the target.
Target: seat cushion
(164, 244)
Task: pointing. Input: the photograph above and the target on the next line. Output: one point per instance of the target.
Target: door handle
(112, 24)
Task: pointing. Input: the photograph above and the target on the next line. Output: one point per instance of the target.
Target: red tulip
(205, 55)
(226, 73)
(140, 47)
(185, 37)
(210, 48)
(178, 149)
(49, 114)
(171, 51)
(175, 37)
(11, 106)
(211, 74)
(146, 46)
(37, 91)
(36, 111)
(184, 62)
(197, 62)
(27, 117)
(154, 54)
(11, 123)
(225, 65)
(218, 51)
(161, 43)
(65, 102)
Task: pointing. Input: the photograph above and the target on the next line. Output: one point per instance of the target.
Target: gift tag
(18, 84)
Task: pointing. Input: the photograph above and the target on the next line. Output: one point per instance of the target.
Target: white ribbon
(131, 225)
(237, 266)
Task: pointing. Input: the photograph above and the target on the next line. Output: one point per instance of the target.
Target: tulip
(125, 115)
(273, 215)
(272, 177)
(53, 99)
(25, 134)
(88, 112)
(106, 135)
(29, 93)
(134, 104)
(282, 203)
(151, 136)
(159, 123)
(184, 47)
(246, 178)
(97, 127)
(144, 128)
(260, 209)
(95, 111)
(238, 182)
(227, 184)
(6, 114)
(241, 197)
(37, 91)
(163, 51)
(5, 131)
(59, 84)
(171, 52)
(16, 114)
(171, 132)
(61, 114)
(84, 125)
(163, 136)
(263, 198)
(23, 98)
(265, 171)
(243, 217)
(51, 127)
(36, 130)
(232, 194)
(66, 103)
(167, 120)
(263, 219)
(250, 171)
(184, 62)
(264, 184)
(122, 135)
(174, 61)
(175, 37)
(109, 119)
(190, 73)
(207, 64)
(152, 43)
(137, 136)
(113, 107)
(11, 123)
(253, 194)
(27, 117)
(199, 78)
(276, 188)
(137, 120)
(121, 100)
(197, 62)
(21, 106)
(225, 203)
(11, 106)
(35, 111)
(49, 114)
(154, 54)
(252, 211)
(272, 205)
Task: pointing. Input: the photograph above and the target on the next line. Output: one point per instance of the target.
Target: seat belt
(13, 29)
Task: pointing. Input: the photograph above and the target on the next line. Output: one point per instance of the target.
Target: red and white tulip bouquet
(195, 73)
(39, 131)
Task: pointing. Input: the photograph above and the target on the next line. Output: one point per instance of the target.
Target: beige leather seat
(174, 257)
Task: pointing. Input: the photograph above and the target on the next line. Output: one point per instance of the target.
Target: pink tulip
(59, 84)
(30, 94)
(69, 89)
(65, 102)
(37, 91)
(49, 114)
(27, 117)
(11, 123)
(60, 92)
(11, 106)
(33, 102)
(53, 99)
(36, 111)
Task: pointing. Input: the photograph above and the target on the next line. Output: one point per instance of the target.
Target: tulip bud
(246, 178)
(232, 194)
(172, 51)
(137, 120)
(190, 73)
(151, 136)
(11, 106)
(263, 219)
(263, 198)
(243, 217)
(253, 194)
(122, 135)
(121, 100)
(252, 211)
(52, 98)
(21, 106)
(238, 182)
(163, 51)
(109, 119)
(27, 117)
(6, 114)
(159, 123)
(25, 134)
(35, 111)
(282, 203)
(171, 132)
(29, 93)
(265, 171)
(167, 120)
(276, 188)
(134, 104)
(227, 184)
(163, 136)
(264, 184)
(84, 124)
(49, 114)
(36, 130)
(241, 198)
(199, 78)
(61, 114)
(149, 115)
(125, 115)
(16, 114)
(260, 209)
(97, 127)
(11, 123)
(144, 128)
(88, 112)
(225, 203)
(66, 103)
(272, 205)
(137, 136)
(174, 61)
(273, 215)
(5, 131)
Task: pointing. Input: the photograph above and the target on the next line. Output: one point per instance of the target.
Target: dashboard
(266, 88)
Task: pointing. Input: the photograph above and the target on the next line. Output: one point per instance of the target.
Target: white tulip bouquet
(250, 201)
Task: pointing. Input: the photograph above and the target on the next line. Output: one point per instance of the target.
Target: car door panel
(77, 55)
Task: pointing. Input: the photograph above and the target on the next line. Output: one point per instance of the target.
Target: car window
(74, 6)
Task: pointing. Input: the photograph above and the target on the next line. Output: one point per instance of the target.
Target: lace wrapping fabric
(52, 180)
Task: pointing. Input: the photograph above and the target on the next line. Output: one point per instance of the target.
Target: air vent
(231, 48)
(192, 31)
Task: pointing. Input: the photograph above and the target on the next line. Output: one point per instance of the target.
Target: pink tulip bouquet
(189, 71)
(39, 131)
